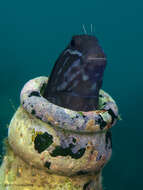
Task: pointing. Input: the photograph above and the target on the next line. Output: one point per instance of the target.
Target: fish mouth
(90, 59)
(93, 60)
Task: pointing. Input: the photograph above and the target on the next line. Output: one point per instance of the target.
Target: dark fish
(77, 75)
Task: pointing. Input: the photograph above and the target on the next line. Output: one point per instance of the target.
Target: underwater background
(33, 34)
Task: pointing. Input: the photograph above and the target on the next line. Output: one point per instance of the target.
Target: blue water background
(33, 34)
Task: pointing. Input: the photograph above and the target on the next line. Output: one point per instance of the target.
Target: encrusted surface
(55, 150)
(15, 174)
(65, 147)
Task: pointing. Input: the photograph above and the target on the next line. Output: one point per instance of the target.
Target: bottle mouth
(74, 102)
(99, 120)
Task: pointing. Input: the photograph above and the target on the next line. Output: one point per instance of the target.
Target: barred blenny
(77, 75)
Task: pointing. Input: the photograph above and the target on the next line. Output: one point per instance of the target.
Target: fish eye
(72, 42)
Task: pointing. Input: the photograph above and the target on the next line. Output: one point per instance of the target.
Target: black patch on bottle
(38, 117)
(60, 151)
(108, 140)
(34, 93)
(47, 164)
(86, 185)
(101, 122)
(33, 112)
(74, 140)
(42, 142)
(84, 116)
(82, 172)
(112, 115)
